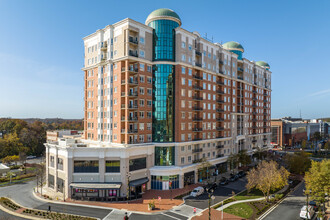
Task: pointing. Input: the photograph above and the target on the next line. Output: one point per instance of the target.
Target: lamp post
(307, 192)
(210, 194)
(128, 188)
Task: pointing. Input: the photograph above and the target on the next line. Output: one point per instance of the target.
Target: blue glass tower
(164, 22)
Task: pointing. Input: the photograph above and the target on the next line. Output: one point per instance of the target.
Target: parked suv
(241, 174)
(223, 181)
(233, 178)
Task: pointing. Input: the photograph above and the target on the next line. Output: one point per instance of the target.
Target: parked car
(241, 174)
(223, 181)
(314, 205)
(197, 191)
(212, 186)
(304, 214)
(233, 178)
(30, 157)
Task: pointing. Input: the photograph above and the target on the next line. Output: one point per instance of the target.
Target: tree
(299, 162)
(203, 167)
(317, 179)
(232, 160)
(317, 136)
(268, 176)
(243, 157)
(303, 144)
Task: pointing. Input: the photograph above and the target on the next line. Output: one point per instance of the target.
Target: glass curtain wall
(163, 80)
(164, 156)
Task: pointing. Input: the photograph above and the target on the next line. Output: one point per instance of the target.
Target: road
(221, 193)
(289, 209)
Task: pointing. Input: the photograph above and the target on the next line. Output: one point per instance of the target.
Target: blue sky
(41, 48)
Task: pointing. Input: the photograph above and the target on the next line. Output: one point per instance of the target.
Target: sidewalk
(239, 201)
(141, 205)
(216, 215)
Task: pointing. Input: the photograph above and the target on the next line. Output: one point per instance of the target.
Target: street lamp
(128, 175)
(211, 196)
(307, 192)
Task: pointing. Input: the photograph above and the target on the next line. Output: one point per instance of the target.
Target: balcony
(197, 139)
(220, 92)
(240, 77)
(197, 109)
(254, 120)
(198, 53)
(220, 83)
(221, 62)
(220, 71)
(265, 93)
(220, 119)
(220, 110)
(104, 45)
(196, 87)
(254, 106)
(254, 99)
(197, 161)
(132, 131)
(133, 40)
(130, 106)
(254, 91)
(132, 94)
(265, 113)
(198, 64)
(133, 142)
(197, 119)
(220, 146)
(264, 139)
(195, 76)
(220, 129)
(254, 141)
(239, 87)
(132, 53)
(240, 69)
(220, 155)
(265, 100)
(133, 82)
(197, 129)
(132, 118)
(133, 70)
(240, 103)
(220, 101)
(220, 136)
(197, 98)
(197, 150)
(239, 96)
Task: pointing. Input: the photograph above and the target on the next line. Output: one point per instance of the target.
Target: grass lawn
(241, 209)
(253, 194)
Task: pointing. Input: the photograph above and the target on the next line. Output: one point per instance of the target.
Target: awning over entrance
(138, 182)
(96, 185)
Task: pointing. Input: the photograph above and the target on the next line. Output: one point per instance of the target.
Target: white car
(303, 213)
(197, 191)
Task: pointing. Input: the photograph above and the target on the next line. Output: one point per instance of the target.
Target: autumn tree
(267, 177)
(317, 179)
(298, 162)
(303, 144)
(203, 167)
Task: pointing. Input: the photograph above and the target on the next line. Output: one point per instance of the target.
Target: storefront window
(86, 166)
(137, 164)
(112, 166)
(164, 156)
(51, 181)
(165, 182)
(60, 184)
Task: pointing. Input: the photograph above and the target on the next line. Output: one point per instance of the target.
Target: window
(112, 166)
(141, 102)
(141, 126)
(51, 181)
(183, 80)
(52, 163)
(60, 163)
(190, 47)
(142, 40)
(149, 68)
(182, 160)
(141, 66)
(183, 57)
(142, 53)
(183, 45)
(86, 166)
(137, 164)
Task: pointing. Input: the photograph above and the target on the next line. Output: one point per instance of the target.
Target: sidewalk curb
(100, 207)
(239, 201)
(17, 214)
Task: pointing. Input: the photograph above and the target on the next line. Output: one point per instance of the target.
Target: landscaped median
(15, 209)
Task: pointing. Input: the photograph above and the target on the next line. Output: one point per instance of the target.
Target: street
(289, 209)
(221, 193)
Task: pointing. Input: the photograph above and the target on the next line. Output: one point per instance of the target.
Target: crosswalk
(182, 212)
(116, 214)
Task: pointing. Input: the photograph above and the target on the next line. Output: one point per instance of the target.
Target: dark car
(233, 178)
(314, 205)
(223, 181)
(212, 186)
(241, 174)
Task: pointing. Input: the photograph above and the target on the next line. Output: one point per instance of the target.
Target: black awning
(138, 182)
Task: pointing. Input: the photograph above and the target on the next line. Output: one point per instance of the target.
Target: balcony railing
(197, 108)
(198, 64)
(220, 83)
(198, 53)
(220, 128)
(197, 119)
(132, 131)
(220, 61)
(240, 77)
(220, 101)
(197, 129)
(132, 106)
(195, 76)
(133, 40)
(220, 119)
(220, 110)
(220, 146)
(133, 82)
(133, 94)
(132, 118)
(254, 141)
(197, 150)
(133, 53)
(197, 161)
(198, 98)
(240, 69)
(196, 87)
(220, 92)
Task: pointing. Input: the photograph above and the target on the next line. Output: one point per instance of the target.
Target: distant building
(53, 136)
(289, 131)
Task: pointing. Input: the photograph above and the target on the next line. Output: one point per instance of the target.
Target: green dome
(163, 13)
(232, 45)
(263, 64)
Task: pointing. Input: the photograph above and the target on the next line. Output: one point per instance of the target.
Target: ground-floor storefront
(95, 191)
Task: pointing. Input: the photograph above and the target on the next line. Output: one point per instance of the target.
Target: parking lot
(220, 194)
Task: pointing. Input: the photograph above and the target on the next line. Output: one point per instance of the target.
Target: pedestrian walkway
(216, 215)
(239, 201)
(116, 214)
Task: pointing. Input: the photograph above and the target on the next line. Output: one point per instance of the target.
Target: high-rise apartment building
(159, 99)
